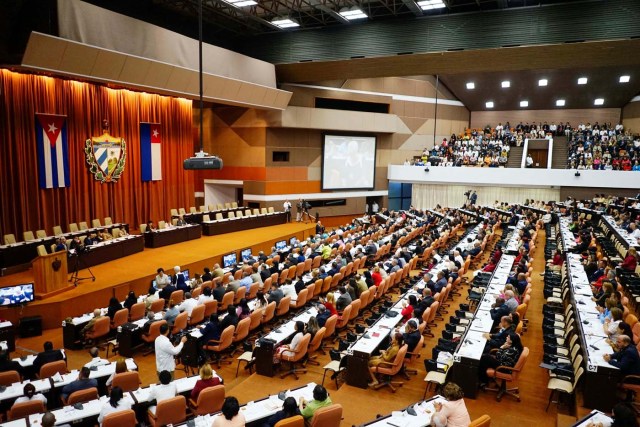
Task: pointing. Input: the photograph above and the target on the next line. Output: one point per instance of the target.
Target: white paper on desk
(57, 377)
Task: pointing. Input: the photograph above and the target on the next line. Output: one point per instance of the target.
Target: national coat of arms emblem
(106, 155)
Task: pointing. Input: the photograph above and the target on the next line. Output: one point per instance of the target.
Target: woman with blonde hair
(206, 380)
(330, 303)
(121, 367)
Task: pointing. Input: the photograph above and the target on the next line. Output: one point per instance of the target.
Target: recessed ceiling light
(241, 3)
(542, 82)
(560, 102)
(353, 14)
(524, 104)
(489, 104)
(431, 4)
(285, 23)
(471, 85)
(598, 101)
(506, 83)
(582, 81)
(625, 79)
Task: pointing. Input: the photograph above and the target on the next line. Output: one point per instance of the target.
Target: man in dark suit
(275, 294)
(412, 336)
(441, 283)
(82, 383)
(323, 315)
(496, 340)
(424, 303)
(47, 356)
(7, 364)
(167, 291)
(626, 358)
(499, 310)
(207, 275)
(230, 319)
(218, 292)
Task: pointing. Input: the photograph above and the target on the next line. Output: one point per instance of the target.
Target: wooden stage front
(134, 272)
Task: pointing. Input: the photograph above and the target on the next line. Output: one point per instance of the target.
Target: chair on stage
(73, 227)
(108, 221)
(28, 235)
(83, 225)
(57, 230)
(41, 234)
(95, 223)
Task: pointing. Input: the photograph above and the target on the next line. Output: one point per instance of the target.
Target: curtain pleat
(24, 206)
(428, 196)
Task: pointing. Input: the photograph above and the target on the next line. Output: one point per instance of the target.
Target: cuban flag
(150, 151)
(53, 150)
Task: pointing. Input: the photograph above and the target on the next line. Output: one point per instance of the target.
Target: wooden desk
(170, 236)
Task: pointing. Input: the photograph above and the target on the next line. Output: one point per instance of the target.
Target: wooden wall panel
(479, 119)
(631, 117)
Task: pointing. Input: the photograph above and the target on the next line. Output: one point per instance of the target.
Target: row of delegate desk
(619, 233)
(214, 227)
(361, 350)
(601, 378)
(22, 253)
(464, 370)
(198, 217)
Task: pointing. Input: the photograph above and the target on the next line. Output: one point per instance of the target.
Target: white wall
(216, 193)
(508, 177)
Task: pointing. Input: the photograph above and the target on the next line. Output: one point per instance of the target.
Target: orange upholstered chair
(210, 401)
(101, 329)
(50, 369)
(9, 377)
(120, 318)
(481, 421)
(81, 396)
(126, 418)
(505, 374)
(295, 421)
(24, 409)
(127, 381)
(316, 345)
(180, 323)
(210, 307)
(136, 312)
(217, 347)
(197, 315)
(170, 411)
(298, 355)
(157, 306)
(329, 416)
(388, 370)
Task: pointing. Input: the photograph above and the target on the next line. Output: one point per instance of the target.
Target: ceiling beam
(413, 7)
(333, 13)
(558, 56)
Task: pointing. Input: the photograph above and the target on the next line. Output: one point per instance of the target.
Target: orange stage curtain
(24, 206)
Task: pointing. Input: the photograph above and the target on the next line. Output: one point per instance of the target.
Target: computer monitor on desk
(245, 254)
(281, 244)
(15, 295)
(229, 260)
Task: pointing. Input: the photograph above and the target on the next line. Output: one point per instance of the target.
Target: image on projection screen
(348, 162)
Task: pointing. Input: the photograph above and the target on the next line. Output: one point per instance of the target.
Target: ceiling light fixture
(489, 104)
(285, 23)
(506, 84)
(542, 82)
(524, 104)
(583, 80)
(431, 4)
(560, 102)
(353, 14)
(471, 85)
(598, 101)
(240, 3)
(625, 79)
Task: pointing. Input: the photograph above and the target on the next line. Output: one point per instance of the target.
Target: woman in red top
(330, 303)
(376, 276)
(630, 261)
(206, 380)
(407, 310)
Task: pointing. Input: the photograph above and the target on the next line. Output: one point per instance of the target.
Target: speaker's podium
(50, 274)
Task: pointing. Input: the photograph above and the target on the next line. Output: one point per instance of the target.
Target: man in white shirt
(289, 290)
(163, 391)
(634, 231)
(188, 304)
(375, 208)
(529, 161)
(96, 359)
(287, 209)
(165, 351)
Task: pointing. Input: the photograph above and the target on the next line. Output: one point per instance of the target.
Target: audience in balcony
(603, 147)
